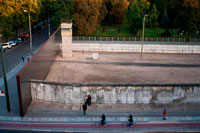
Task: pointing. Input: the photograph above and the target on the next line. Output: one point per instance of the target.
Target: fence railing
(147, 39)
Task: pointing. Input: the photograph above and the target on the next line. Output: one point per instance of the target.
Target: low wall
(114, 93)
(147, 48)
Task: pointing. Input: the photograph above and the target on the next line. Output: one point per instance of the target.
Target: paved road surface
(13, 56)
(48, 127)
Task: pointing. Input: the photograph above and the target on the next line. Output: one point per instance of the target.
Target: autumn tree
(88, 16)
(118, 11)
(12, 14)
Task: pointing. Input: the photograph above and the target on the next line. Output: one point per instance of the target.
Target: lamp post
(49, 30)
(143, 35)
(29, 19)
(5, 79)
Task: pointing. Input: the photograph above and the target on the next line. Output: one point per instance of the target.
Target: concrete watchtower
(66, 34)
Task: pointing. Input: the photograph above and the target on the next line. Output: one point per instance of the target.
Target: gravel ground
(126, 68)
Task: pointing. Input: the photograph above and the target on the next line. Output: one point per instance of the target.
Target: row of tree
(182, 15)
(88, 15)
(13, 16)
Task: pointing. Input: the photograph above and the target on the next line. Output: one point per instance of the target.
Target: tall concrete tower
(66, 34)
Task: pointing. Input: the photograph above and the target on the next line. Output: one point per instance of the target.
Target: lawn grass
(113, 31)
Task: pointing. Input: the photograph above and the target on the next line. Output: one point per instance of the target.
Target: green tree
(185, 16)
(57, 10)
(135, 14)
(152, 19)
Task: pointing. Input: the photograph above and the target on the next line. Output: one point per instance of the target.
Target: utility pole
(143, 36)
(49, 30)
(29, 20)
(5, 79)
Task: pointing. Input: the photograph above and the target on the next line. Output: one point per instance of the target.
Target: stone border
(112, 84)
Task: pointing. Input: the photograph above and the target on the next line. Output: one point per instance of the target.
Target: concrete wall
(123, 47)
(59, 92)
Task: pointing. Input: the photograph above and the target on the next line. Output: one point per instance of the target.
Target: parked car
(3, 49)
(12, 43)
(24, 36)
(17, 40)
(6, 46)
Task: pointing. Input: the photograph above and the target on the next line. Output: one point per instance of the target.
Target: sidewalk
(90, 124)
(12, 89)
(92, 119)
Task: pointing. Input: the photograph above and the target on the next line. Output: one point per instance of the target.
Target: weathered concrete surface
(130, 47)
(115, 94)
(66, 45)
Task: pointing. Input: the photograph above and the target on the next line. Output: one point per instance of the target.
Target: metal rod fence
(149, 39)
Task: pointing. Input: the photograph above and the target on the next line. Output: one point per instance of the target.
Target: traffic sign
(2, 93)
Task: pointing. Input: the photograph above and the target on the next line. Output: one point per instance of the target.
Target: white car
(12, 43)
(6, 45)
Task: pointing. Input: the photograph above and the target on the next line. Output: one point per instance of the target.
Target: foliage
(186, 16)
(118, 11)
(87, 16)
(113, 31)
(152, 17)
(166, 33)
(165, 20)
(12, 16)
(57, 10)
(135, 14)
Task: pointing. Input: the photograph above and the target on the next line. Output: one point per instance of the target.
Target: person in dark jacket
(89, 100)
(130, 120)
(23, 58)
(103, 119)
(84, 108)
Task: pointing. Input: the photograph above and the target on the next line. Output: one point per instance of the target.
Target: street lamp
(143, 35)
(5, 79)
(49, 30)
(29, 18)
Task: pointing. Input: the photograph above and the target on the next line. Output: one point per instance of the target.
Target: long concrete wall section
(114, 94)
(136, 47)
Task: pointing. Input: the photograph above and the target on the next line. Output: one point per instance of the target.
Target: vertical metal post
(49, 30)
(143, 36)
(29, 17)
(5, 79)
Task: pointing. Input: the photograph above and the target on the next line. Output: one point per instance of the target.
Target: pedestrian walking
(130, 120)
(27, 57)
(164, 113)
(84, 108)
(103, 119)
(89, 100)
(23, 58)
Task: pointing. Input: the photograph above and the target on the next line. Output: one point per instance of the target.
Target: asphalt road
(14, 55)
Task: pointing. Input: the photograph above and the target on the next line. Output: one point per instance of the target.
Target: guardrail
(149, 39)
